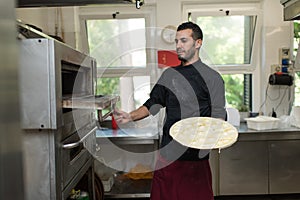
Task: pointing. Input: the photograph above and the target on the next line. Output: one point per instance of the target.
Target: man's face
(186, 46)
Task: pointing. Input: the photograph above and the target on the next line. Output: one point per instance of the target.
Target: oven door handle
(76, 144)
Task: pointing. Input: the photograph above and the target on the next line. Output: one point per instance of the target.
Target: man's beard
(187, 57)
(188, 54)
(182, 59)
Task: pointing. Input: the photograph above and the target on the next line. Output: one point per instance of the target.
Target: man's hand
(122, 117)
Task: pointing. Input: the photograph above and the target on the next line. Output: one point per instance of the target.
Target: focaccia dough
(204, 133)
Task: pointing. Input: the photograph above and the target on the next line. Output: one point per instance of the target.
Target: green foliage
(296, 30)
(107, 86)
(223, 39)
(99, 32)
(234, 90)
(297, 89)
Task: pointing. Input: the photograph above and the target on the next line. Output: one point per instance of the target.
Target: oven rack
(98, 103)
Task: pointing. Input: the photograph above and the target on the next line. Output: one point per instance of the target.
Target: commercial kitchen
(68, 64)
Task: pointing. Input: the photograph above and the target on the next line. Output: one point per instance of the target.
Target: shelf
(127, 188)
(91, 102)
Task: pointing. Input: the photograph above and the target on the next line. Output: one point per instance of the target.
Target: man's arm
(124, 117)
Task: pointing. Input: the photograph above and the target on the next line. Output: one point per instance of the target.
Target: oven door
(76, 152)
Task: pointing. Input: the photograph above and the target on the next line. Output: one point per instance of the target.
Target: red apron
(182, 180)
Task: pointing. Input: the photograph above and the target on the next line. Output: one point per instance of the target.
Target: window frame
(213, 9)
(125, 12)
(253, 68)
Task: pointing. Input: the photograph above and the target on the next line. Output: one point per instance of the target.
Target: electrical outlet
(275, 68)
(284, 56)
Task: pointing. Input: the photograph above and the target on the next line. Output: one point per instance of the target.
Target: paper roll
(295, 116)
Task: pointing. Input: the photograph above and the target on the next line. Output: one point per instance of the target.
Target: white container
(107, 182)
(233, 116)
(262, 123)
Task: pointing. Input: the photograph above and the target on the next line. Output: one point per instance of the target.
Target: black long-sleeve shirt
(195, 90)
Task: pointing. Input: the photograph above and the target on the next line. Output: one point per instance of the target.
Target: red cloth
(182, 180)
(167, 58)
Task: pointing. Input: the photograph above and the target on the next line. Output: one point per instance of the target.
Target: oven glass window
(117, 43)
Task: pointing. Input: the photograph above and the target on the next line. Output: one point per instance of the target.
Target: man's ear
(198, 43)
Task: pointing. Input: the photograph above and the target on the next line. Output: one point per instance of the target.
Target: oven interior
(76, 80)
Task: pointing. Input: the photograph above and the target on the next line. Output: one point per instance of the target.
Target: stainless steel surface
(284, 165)
(76, 144)
(41, 69)
(49, 169)
(129, 146)
(91, 102)
(39, 165)
(291, 10)
(11, 169)
(243, 169)
(245, 134)
(72, 159)
(50, 72)
(215, 172)
(261, 162)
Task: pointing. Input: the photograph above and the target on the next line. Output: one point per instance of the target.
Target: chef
(191, 89)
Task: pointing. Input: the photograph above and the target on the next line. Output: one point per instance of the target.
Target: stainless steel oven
(58, 138)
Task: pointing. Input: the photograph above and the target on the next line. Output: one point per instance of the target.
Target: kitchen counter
(244, 129)
(145, 133)
(260, 162)
(120, 146)
(289, 133)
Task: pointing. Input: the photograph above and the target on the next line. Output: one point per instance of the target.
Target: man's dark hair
(197, 32)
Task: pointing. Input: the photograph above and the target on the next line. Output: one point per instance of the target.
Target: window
(134, 90)
(119, 41)
(228, 41)
(297, 73)
(236, 86)
(297, 89)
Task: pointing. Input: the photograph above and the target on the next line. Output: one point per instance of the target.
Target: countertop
(143, 130)
(152, 133)
(126, 188)
(244, 129)
(288, 133)
(134, 133)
